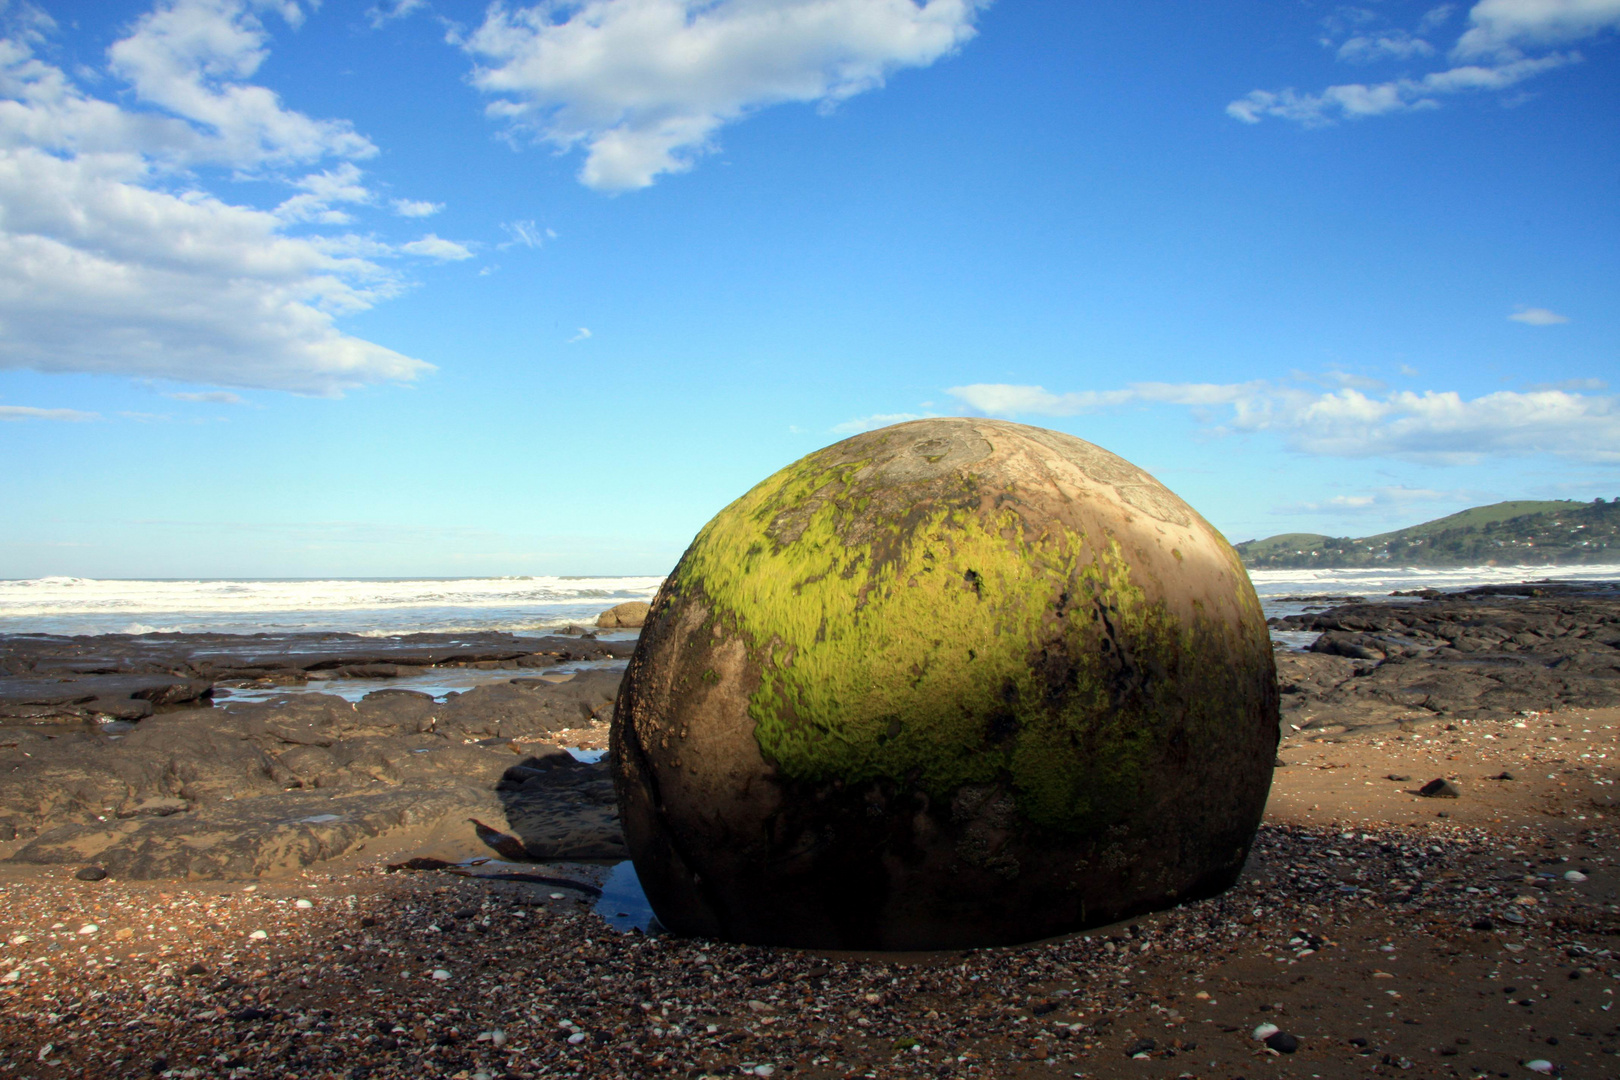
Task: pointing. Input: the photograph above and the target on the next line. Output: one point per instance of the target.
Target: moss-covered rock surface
(953, 682)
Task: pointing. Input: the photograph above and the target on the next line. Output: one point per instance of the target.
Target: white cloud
(435, 247)
(386, 11)
(1499, 50)
(1504, 28)
(114, 262)
(189, 57)
(320, 191)
(872, 423)
(1538, 316)
(212, 397)
(644, 85)
(28, 412)
(1441, 427)
(1391, 45)
(1409, 371)
(1355, 101)
(583, 334)
(1378, 500)
(415, 208)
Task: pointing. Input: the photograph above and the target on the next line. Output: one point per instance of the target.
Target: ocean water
(371, 606)
(380, 607)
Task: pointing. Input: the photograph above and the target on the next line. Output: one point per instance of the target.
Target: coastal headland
(403, 883)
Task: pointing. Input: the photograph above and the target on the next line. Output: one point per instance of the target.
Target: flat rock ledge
(245, 790)
(1487, 653)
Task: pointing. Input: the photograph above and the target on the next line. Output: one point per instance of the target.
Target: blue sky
(419, 288)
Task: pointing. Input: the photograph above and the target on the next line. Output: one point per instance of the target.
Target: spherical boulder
(950, 683)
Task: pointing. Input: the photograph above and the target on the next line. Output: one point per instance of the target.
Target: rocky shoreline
(128, 753)
(1483, 653)
(198, 790)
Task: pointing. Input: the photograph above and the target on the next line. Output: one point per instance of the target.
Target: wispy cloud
(1378, 500)
(211, 397)
(415, 208)
(872, 423)
(526, 234)
(644, 86)
(1538, 316)
(436, 247)
(28, 412)
(581, 334)
(1507, 42)
(1440, 427)
(1394, 44)
(386, 11)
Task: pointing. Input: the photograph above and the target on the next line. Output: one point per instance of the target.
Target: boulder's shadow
(557, 808)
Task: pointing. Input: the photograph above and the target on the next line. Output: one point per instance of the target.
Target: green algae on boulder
(949, 683)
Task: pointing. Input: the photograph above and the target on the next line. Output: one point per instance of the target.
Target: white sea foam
(1376, 582)
(65, 605)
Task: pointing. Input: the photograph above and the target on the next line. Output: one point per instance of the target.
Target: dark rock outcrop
(248, 789)
(1483, 653)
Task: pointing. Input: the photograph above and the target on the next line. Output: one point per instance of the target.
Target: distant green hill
(1538, 533)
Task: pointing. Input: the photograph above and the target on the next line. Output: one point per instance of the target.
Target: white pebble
(576, 1038)
(498, 1037)
(1266, 1031)
(1540, 1065)
(21, 939)
(440, 975)
(557, 896)
(305, 904)
(764, 1070)
(1574, 875)
(258, 935)
(89, 928)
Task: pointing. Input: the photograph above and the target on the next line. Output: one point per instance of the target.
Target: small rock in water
(1574, 875)
(1266, 1031)
(1438, 789)
(1282, 1042)
(91, 873)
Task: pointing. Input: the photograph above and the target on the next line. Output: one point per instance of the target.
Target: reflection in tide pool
(623, 905)
(437, 682)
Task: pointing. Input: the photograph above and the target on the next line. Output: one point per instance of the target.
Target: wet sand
(1383, 932)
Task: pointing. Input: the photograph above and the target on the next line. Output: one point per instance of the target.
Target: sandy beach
(1385, 932)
